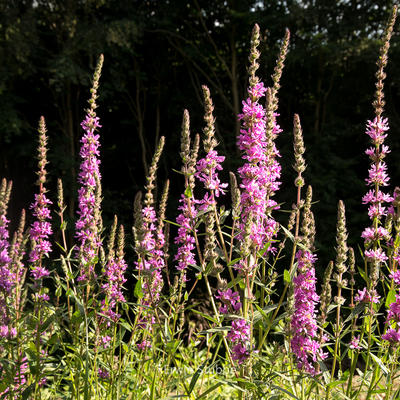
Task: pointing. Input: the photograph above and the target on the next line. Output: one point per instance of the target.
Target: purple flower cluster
(87, 225)
(239, 335)
(365, 296)
(6, 276)
(230, 300)
(39, 233)
(114, 273)
(103, 374)
(393, 318)
(185, 239)
(303, 325)
(207, 168)
(115, 279)
(377, 177)
(152, 264)
(260, 174)
(150, 267)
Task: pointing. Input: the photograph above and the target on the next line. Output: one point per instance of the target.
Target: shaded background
(157, 56)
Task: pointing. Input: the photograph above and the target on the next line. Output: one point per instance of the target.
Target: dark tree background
(157, 56)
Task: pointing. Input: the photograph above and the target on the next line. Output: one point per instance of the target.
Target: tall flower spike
(89, 195)
(235, 194)
(276, 77)
(378, 176)
(207, 168)
(303, 326)
(341, 252)
(254, 56)
(114, 273)
(150, 248)
(259, 175)
(185, 238)
(299, 149)
(326, 293)
(151, 178)
(41, 228)
(379, 101)
(7, 278)
(138, 218)
(306, 226)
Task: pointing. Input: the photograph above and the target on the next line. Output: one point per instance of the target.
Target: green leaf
(362, 273)
(288, 233)
(196, 376)
(208, 391)
(138, 289)
(46, 323)
(234, 261)
(214, 330)
(76, 317)
(153, 386)
(188, 192)
(380, 363)
(357, 310)
(263, 312)
(390, 298)
(286, 276)
(285, 391)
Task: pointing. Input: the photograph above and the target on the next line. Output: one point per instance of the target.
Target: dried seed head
(299, 150)
(5, 193)
(209, 141)
(254, 56)
(379, 101)
(185, 139)
(235, 193)
(326, 293)
(341, 241)
(149, 198)
(111, 239)
(138, 220)
(276, 77)
(42, 152)
(163, 207)
(292, 218)
(95, 86)
(193, 160)
(352, 263)
(308, 225)
(121, 243)
(60, 195)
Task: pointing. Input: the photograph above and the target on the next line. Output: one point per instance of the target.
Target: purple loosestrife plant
(88, 224)
(40, 230)
(115, 279)
(207, 168)
(185, 239)
(239, 336)
(149, 244)
(304, 330)
(7, 277)
(377, 174)
(260, 174)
